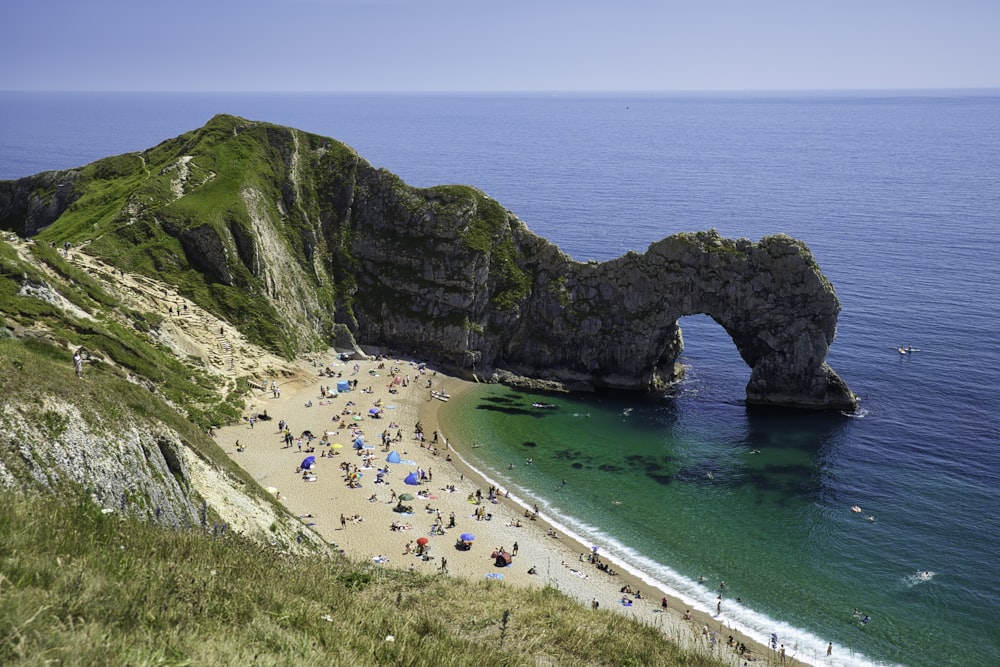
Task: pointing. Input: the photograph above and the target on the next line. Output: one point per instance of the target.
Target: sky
(513, 45)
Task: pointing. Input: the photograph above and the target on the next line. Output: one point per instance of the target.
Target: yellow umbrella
(336, 445)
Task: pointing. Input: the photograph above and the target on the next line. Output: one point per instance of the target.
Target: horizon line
(567, 91)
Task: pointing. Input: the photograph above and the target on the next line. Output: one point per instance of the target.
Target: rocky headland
(299, 239)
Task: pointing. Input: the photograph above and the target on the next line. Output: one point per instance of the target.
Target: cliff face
(332, 249)
(137, 470)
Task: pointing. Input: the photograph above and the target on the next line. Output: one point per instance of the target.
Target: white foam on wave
(917, 578)
(799, 644)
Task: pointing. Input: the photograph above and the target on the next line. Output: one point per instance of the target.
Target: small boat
(543, 406)
(440, 395)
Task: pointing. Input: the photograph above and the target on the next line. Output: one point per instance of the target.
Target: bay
(898, 197)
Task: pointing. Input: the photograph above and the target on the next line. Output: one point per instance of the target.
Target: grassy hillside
(116, 336)
(83, 588)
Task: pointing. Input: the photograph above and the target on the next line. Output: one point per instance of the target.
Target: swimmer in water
(856, 509)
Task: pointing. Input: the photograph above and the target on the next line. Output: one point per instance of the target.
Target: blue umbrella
(374, 411)
(467, 537)
(308, 462)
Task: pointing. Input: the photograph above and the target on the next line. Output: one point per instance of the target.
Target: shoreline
(359, 520)
(573, 545)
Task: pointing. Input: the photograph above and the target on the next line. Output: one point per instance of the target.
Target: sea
(897, 193)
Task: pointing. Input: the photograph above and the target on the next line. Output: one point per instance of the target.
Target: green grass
(81, 587)
(36, 368)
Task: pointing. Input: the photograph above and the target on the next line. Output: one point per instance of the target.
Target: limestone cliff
(297, 239)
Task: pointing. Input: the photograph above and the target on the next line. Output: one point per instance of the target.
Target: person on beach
(78, 364)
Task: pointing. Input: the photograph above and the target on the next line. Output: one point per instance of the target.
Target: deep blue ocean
(897, 195)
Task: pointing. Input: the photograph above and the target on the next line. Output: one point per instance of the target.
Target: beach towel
(494, 575)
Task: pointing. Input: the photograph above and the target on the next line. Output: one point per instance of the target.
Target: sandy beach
(352, 496)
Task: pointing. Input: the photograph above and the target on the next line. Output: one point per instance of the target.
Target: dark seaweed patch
(661, 479)
(518, 412)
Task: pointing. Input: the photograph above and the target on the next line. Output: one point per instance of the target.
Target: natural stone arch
(614, 324)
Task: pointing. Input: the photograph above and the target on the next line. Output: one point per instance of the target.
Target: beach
(354, 498)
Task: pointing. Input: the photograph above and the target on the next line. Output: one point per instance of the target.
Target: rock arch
(614, 324)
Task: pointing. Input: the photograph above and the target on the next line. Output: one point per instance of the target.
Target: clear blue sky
(508, 45)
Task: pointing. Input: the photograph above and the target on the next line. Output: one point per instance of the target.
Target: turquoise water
(672, 486)
(898, 196)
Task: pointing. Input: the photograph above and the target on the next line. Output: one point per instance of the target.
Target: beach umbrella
(467, 537)
(405, 496)
(422, 541)
(336, 445)
(412, 479)
(308, 462)
(374, 411)
(393, 457)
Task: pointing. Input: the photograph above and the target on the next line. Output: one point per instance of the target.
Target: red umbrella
(422, 541)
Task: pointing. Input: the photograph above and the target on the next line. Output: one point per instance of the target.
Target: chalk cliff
(301, 243)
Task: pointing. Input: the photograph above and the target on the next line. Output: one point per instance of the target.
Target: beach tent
(359, 443)
(393, 457)
(412, 479)
(308, 462)
(343, 385)
(502, 559)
